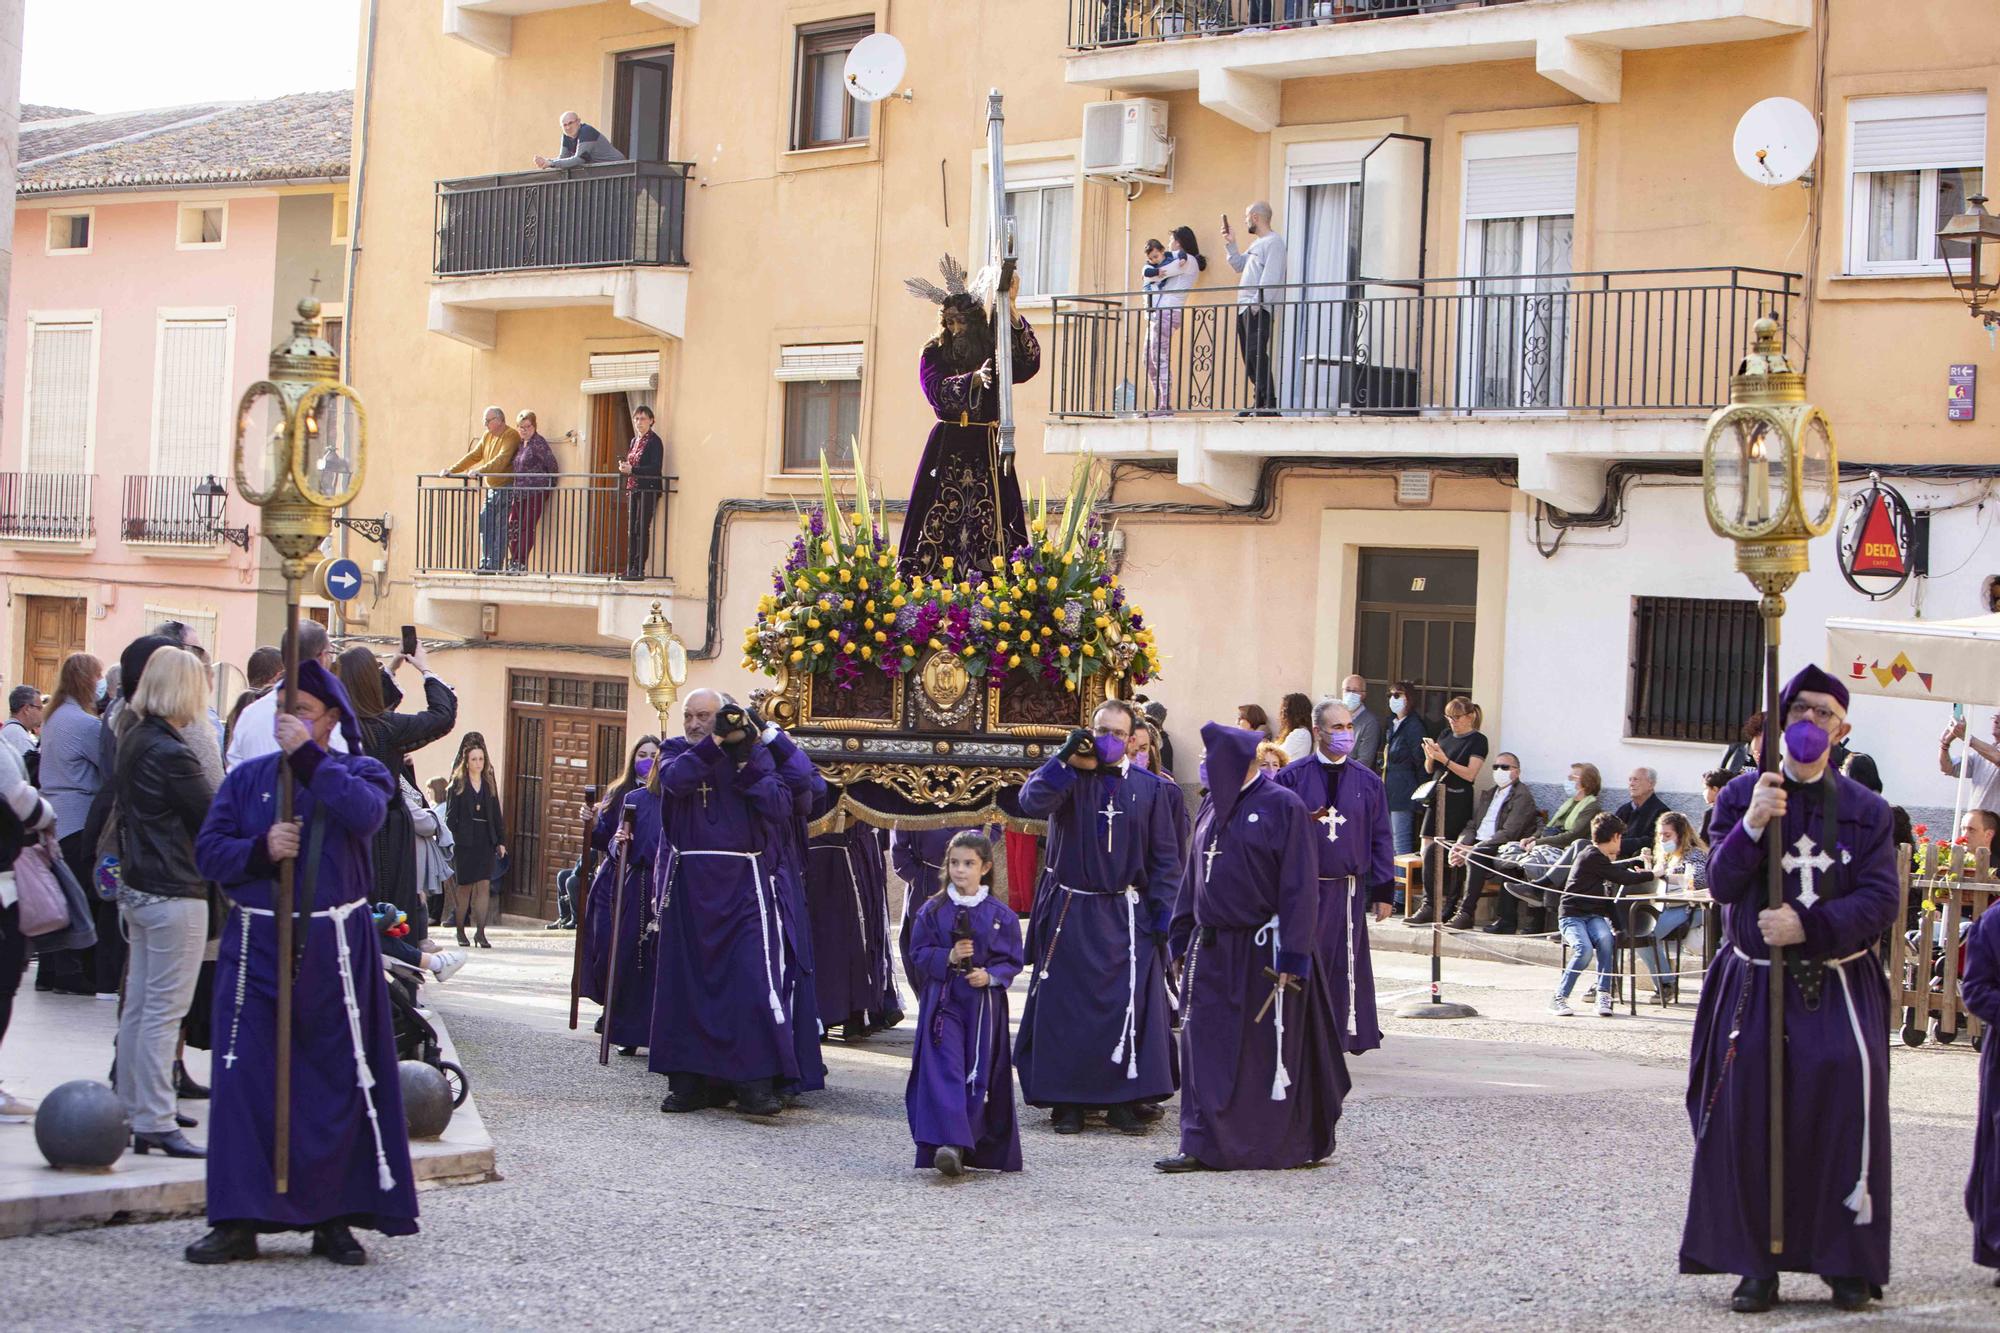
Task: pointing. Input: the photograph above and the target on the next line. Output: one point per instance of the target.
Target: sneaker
(446, 963)
(15, 1110)
(1560, 1007)
(1604, 1009)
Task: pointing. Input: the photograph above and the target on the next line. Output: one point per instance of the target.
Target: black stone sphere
(82, 1126)
(426, 1099)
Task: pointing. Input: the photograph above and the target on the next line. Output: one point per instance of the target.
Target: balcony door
(610, 440)
(1520, 226)
(644, 98)
(1319, 214)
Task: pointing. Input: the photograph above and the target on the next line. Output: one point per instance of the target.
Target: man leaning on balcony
(492, 460)
(581, 144)
(1263, 282)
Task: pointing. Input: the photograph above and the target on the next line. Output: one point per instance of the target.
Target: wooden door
(54, 631)
(1415, 614)
(610, 441)
(564, 733)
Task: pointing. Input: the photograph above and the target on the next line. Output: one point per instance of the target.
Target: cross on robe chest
(1333, 819)
(1110, 813)
(704, 789)
(1809, 859)
(1214, 850)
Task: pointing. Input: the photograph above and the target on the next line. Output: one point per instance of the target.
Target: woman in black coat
(479, 835)
(391, 737)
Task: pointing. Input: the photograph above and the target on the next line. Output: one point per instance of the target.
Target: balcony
(1145, 46)
(605, 235)
(51, 507)
(162, 511)
(566, 543)
(489, 24)
(1562, 372)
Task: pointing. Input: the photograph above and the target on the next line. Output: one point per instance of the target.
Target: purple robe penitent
(961, 1088)
(811, 797)
(631, 1016)
(1980, 986)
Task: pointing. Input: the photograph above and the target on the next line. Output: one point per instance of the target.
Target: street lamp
(660, 664)
(1769, 477)
(209, 497)
(1970, 244)
(301, 441)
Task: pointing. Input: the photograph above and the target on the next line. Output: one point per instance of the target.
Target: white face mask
(1398, 704)
(1669, 845)
(1352, 700)
(1503, 777)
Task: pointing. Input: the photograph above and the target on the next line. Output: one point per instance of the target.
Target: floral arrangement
(839, 606)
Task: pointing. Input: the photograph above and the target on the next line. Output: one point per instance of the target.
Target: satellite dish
(1776, 141)
(875, 67)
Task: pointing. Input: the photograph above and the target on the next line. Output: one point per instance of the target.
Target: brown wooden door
(55, 630)
(1414, 617)
(610, 441)
(564, 732)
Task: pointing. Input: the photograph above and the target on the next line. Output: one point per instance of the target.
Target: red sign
(1879, 551)
(1874, 542)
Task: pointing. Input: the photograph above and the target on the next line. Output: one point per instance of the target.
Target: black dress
(391, 737)
(1450, 805)
(477, 830)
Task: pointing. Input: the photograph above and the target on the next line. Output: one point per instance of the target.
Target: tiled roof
(299, 136)
(29, 111)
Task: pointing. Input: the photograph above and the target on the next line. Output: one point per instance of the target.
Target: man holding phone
(1262, 285)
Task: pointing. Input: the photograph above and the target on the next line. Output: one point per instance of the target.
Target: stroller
(416, 1039)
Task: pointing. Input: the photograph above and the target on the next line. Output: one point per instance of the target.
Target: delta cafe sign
(1875, 541)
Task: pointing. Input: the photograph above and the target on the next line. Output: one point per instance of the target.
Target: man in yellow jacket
(492, 459)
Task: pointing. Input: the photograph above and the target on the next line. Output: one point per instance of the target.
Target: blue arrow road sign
(343, 580)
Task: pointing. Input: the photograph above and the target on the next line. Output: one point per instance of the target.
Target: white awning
(622, 372)
(1945, 661)
(819, 361)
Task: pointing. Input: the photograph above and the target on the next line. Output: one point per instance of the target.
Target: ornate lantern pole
(1770, 477)
(660, 664)
(301, 441)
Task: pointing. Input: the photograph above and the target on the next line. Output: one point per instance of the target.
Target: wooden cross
(1333, 819)
(1110, 813)
(1214, 850)
(1809, 859)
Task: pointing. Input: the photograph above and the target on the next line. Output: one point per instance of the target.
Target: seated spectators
(1641, 813)
(1503, 813)
(1584, 911)
(1680, 861)
(1570, 822)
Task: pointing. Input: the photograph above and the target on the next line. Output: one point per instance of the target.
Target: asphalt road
(1510, 1171)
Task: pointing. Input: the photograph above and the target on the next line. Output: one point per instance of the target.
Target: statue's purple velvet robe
(961, 504)
(1837, 1055)
(1980, 986)
(961, 1088)
(810, 797)
(724, 978)
(1095, 1027)
(1356, 871)
(631, 1017)
(350, 1156)
(1251, 902)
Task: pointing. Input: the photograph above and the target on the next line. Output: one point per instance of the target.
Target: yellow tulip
(812, 623)
(1013, 659)
(1062, 650)
(848, 649)
(935, 644)
(970, 650)
(862, 584)
(798, 640)
(802, 585)
(818, 648)
(1070, 685)
(867, 653)
(796, 655)
(881, 637)
(909, 651)
(826, 547)
(1103, 621)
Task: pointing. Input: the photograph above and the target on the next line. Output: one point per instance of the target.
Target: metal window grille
(1694, 668)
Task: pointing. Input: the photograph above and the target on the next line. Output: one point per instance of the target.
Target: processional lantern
(660, 664)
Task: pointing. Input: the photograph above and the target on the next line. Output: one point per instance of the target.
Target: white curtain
(1320, 218)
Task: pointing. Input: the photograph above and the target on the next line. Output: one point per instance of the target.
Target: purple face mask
(1340, 742)
(1110, 750)
(1142, 759)
(643, 765)
(1805, 742)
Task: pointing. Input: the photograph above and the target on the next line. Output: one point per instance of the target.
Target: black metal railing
(1094, 24)
(604, 216)
(1639, 340)
(576, 525)
(163, 509)
(46, 506)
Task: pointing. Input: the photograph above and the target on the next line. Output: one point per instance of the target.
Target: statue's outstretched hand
(984, 375)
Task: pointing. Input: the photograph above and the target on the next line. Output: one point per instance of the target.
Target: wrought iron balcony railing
(606, 216)
(164, 509)
(1634, 341)
(572, 525)
(1095, 24)
(46, 506)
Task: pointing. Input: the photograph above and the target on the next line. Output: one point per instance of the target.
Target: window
(1913, 163)
(822, 404)
(1044, 221)
(62, 384)
(823, 114)
(342, 206)
(1520, 220)
(201, 226)
(192, 402)
(69, 233)
(1694, 668)
(644, 95)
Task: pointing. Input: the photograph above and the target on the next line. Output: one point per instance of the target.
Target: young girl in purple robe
(966, 950)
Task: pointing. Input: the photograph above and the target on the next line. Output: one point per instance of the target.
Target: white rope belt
(1858, 1200)
(350, 999)
(763, 928)
(1353, 1023)
(1280, 1080)
(979, 1051)
(1127, 1049)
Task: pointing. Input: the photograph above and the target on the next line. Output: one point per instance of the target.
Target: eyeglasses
(1503, 768)
(1800, 711)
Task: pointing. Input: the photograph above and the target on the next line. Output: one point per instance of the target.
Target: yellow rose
(862, 584)
(1097, 594)
(935, 644)
(899, 602)
(796, 654)
(818, 648)
(969, 650)
(1070, 685)
(867, 653)
(1020, 568)
(825, 577)
(949, 561)
(1062, 650)
(847, 603)
(802, 585)
(848, 649)
(1047, 630)
(1103, 621)
(845, 574)
(1013, 659)
(881, 636)
(798, 640)
(1024, 636)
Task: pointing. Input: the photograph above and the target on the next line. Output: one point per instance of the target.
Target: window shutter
(1536, 185)
(194, 388)
(59, 406)
(623, 372)
(820, 361)
(1950, 138)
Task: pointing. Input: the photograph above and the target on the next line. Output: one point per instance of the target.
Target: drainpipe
(359, 175)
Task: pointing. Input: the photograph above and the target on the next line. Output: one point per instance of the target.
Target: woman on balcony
(644, 467)
(1170, 272)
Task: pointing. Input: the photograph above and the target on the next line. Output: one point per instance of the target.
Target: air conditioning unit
(1127, 140)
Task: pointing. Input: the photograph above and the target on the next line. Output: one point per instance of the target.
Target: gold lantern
(660, 664)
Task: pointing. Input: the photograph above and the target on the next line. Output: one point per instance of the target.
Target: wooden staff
(1774, 844)
(579, 904)
(623, 843)
(281, 916)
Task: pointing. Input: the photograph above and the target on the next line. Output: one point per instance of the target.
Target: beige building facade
(1520, 261)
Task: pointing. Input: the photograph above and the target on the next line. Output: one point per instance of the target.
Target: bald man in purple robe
(1834, 838)
(1356, 867)
(1263, 1075)
(1094, 1029)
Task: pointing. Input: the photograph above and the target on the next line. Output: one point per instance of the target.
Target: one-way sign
(342, 579)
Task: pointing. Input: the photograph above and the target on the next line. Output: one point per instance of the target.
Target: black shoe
(185, 1121)
(560, 925)
(1425, 914)
(1850, 1293)
(337, 1243)
(1123, 1119)
(1146, 1111)
(1181, 1163)
(598, 1026)
(1459, 921)
(852, 1032)
(1497, 928)
(1754, 1295)
(224, 1245)
(463, 942)
(949, 1161)
(173, 1143)
(185, 1087)
(628, 1050)
(754, 1099)
(889, 1020)
(680, 1103)
(1069, 1120)
(479, 939)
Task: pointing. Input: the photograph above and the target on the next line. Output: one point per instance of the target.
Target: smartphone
(409, 640)
(1958, 712)
(1225, 222)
